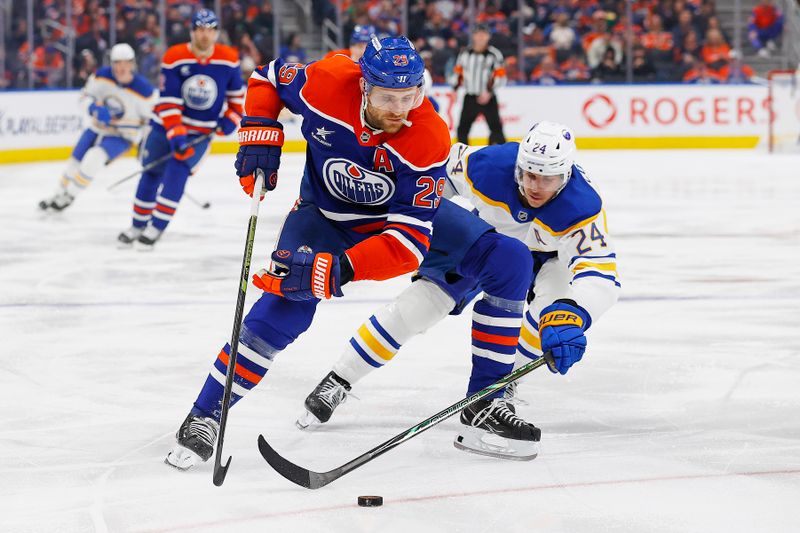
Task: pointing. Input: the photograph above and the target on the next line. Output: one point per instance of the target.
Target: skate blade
(144, 247)
(482, 443)
(307, 421)
(182, 458)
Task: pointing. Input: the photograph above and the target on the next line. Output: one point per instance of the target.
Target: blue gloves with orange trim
(561, 327)
(260, 142)
(305, 275)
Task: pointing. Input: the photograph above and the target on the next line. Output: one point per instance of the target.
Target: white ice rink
(683, 416)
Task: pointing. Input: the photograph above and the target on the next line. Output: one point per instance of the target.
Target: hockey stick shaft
(220, 470)
(314, 480)
(198, 203)
(159, 161)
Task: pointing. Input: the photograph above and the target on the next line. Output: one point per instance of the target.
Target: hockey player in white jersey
(532, 191)
(119, 103)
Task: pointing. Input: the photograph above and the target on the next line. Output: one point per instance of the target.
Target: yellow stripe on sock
(374, 344)
(530, 338)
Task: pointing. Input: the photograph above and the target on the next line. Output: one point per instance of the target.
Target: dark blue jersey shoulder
(141, 86)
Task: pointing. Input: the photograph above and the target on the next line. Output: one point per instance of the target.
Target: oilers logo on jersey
(352, 183)
(199, 91)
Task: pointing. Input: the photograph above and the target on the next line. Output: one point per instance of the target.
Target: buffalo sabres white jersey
(570, 230)
(130, 105)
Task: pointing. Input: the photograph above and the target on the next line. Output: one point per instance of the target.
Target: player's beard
(385, 120)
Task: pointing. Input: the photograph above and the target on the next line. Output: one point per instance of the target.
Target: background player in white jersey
(119, 102)
(531, 191)
(201, 93)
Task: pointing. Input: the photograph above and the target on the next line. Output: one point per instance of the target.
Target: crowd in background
(563, 41)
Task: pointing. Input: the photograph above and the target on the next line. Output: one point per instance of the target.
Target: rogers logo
(352, 183)
(599, 111)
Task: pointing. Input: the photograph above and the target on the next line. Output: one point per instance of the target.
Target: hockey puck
(370, 501)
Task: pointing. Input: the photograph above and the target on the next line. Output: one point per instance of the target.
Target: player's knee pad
(93, 161)
(507, 267)
(416, 309)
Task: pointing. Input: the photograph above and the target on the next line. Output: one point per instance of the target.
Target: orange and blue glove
(179, 143)
(260, 142)
(304, 276)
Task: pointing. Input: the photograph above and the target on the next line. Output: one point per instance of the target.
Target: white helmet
(548, 150)
(122, 52)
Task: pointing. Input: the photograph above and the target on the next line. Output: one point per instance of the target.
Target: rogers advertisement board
(598, 111)
(50, 119)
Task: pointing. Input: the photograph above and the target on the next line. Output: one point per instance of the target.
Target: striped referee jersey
(479, 71)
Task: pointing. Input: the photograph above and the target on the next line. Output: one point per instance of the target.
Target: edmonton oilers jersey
(363, 179)
(130, 106)
(195, 91)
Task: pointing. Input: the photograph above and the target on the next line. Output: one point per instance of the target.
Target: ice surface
(684, 415)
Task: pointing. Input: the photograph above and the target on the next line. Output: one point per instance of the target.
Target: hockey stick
(220, 470)
(315, 480)
(157, 162)
(198, 203)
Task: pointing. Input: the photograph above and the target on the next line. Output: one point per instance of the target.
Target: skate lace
(202, 430)
(332, 394)
(512, 394)
(499, 409)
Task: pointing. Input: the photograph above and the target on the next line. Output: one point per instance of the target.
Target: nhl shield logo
(400, 60)
(364, 137)
(522, 216)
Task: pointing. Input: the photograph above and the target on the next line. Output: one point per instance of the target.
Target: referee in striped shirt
(480, 70)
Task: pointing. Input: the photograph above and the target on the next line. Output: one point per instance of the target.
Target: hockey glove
(260, 142)
(561, 327)
(228, 123)
(302, 276)
(100, 113)
(179, 143)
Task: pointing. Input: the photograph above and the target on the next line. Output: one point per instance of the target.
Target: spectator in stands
(561, 35)
(574, 69)
(735, 71)
(87, 64)
(687, 54)
(643, 69)
(765, 27)
(702, 74)
(609, 69)
(708, 10)
(293, 51)
(685, 25)
(596, 52)
(547, 73)
(657, 39)
(715, 52)
(94, 40)
(48, 66)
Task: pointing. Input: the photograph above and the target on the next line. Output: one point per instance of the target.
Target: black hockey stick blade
(221, 472)
(294, 473)
(315, 480)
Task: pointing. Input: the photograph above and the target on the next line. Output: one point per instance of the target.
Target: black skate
(511, 394)
(58, 202)
(324, 400)
(148, 238)
(194, 442)
(492, 427)
(128, 237)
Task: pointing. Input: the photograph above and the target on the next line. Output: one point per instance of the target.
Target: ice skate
(491, 427)
(147, 239)
(323, 400)
(128, 237)
(58, 202)
(511, 394)
(194, 442)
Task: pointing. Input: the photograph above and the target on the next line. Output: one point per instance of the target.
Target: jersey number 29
(431, 193)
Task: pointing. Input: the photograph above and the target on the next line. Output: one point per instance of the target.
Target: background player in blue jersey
(373, 179)
(201, 92)
(119, 103)
(531, 191)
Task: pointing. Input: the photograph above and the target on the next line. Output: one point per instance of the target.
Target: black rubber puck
(370, 501)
